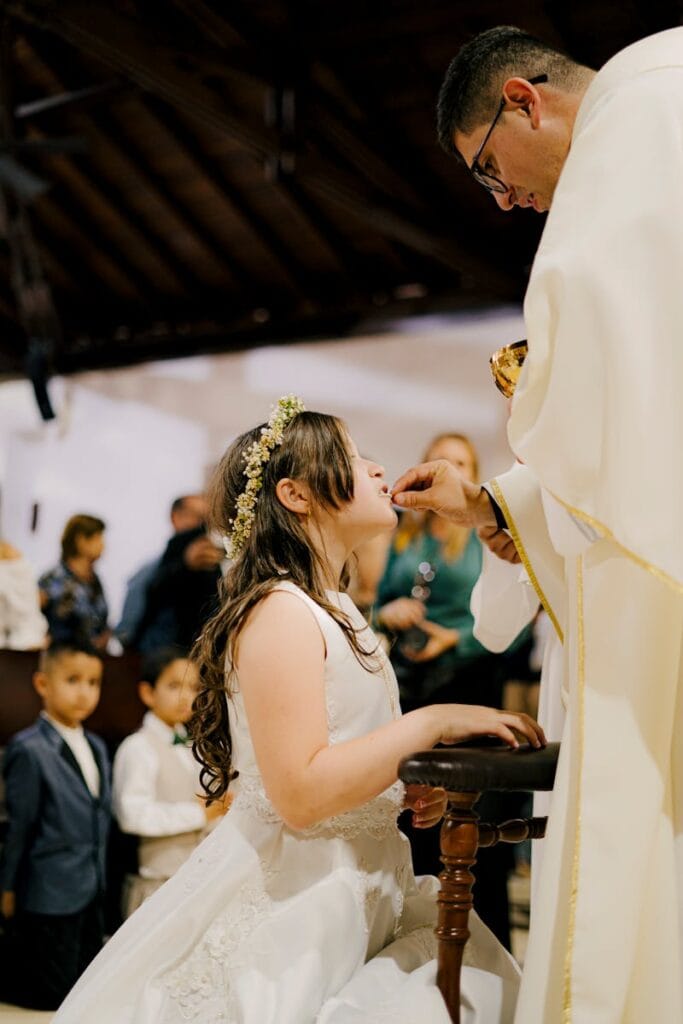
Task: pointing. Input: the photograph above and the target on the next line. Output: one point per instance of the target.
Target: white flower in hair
(255, 458)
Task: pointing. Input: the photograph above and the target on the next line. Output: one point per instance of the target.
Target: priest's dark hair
(471, 89)
(314, 449)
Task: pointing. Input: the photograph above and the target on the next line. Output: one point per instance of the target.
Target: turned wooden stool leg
(459, 841)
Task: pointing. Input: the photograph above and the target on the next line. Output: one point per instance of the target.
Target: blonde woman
(424, 607)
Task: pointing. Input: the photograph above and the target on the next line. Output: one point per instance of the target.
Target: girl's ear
(294, 495)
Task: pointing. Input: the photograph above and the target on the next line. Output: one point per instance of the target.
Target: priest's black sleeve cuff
(501, 521)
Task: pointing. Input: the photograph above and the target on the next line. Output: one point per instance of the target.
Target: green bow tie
(183, 740)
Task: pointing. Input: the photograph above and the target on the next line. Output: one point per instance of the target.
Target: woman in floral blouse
(71, 595)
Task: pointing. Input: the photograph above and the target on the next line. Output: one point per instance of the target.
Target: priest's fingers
(418, 478)
(438, 487)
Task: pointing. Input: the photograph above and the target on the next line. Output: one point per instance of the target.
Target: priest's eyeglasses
(489, 181)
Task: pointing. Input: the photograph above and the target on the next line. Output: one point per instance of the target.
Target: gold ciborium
(506, 366)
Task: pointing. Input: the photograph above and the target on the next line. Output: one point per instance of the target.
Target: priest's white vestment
(506, 598)
(598, 419)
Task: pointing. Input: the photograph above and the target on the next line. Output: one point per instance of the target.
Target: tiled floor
(519, 912)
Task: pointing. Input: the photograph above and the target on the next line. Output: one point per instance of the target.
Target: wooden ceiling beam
(396, 221)
(329, 118)
(357, 270)
(236, 332)
(137, 54)
(77, 170)
(122, 44)
(419, 178)
(73, 184)
(303, 282)
(366, 149)
(189, 147)
(215, 28)
(176, 208)
(88, 258)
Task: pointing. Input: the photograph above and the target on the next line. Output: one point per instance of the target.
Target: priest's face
(525, 151)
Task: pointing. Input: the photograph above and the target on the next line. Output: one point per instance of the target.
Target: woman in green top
(423, 604)
(424, 601)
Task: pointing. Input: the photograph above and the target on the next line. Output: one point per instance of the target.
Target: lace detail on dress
(251, 797)
(199, 987)
(377, 818)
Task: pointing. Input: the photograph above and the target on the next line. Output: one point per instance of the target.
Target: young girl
(301, 906)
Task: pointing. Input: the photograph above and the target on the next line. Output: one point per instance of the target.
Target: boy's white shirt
(75, 739)
(136, 806)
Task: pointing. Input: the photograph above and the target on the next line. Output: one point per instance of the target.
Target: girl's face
(371, 511)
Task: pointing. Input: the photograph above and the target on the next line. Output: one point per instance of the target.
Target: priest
(597, 421)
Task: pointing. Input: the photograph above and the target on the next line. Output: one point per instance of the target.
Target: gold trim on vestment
(608, 535)
(573, 895)
(514, 533)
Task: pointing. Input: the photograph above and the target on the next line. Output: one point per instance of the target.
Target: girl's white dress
(266, 925)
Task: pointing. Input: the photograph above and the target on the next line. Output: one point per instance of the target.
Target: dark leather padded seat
(476, 769)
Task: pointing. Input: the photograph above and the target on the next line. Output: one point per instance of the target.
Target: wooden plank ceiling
(193, 175)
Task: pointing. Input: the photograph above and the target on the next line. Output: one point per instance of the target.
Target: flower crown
(255, 458)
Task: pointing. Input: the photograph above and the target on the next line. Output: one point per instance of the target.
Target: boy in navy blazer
(52, 867)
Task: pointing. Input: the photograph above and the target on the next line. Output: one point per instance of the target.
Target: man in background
(150, 622)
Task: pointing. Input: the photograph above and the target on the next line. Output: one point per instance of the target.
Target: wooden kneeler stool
(465, 773)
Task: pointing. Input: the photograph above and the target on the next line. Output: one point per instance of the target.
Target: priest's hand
(500, 543)
(438, 487)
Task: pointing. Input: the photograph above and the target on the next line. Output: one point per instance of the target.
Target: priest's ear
(524, 97)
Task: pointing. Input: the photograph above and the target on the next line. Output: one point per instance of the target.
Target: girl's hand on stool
(428, 804)
(455, 723)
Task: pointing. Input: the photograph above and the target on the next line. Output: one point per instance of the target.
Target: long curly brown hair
(314, 450)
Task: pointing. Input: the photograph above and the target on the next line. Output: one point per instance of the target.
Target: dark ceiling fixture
(23, 181)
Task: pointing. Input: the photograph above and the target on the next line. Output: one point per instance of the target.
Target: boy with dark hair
(156, 778)
(52, 867)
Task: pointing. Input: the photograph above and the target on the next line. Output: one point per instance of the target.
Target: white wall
(128, 441)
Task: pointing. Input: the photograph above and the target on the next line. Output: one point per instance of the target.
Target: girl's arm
(280, 662)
